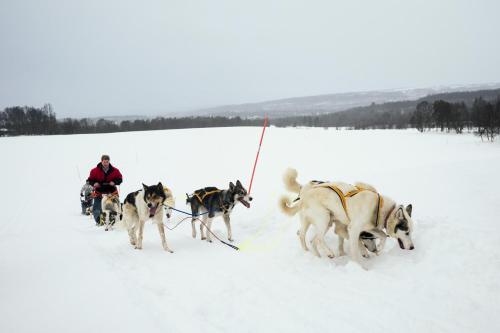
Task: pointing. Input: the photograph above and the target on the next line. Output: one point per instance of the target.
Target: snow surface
(60, 273)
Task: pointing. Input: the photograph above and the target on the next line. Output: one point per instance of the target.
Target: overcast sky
(119, 57)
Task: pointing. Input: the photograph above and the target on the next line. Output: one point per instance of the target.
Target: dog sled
(105, 188)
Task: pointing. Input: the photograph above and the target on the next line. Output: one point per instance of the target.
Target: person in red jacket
(104, 178)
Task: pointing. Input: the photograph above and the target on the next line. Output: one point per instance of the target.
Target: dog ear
(145, 187)
(399, 213)
(160, 185)
(408, 209)
(238, 183)
(231, 186)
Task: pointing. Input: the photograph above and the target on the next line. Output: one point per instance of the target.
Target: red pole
(257, 157)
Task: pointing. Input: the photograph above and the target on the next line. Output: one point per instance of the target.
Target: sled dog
(210, 202)
(367, 240)
(372, 240)
(111, 209)
(86, 199)
(322, 204)
(145, 204)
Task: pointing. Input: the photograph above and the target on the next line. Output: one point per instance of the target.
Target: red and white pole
(258, 152)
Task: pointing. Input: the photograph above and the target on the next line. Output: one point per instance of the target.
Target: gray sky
(119, 57)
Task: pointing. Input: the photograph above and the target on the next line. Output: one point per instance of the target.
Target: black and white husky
(142, 205)
(210, 202)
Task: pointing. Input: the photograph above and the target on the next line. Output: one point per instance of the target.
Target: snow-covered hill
(328, 103)
(60, 273)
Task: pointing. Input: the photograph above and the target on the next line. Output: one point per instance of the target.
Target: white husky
(364, 210)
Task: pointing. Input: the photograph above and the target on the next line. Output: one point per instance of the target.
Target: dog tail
(169, 200)
(287, 207)
(290, 180)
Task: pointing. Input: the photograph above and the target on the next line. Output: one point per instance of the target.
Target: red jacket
(97, 175)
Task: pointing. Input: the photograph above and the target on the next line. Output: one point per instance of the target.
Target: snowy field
(61, 273)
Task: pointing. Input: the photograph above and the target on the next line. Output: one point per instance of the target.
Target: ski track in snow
(58, 272)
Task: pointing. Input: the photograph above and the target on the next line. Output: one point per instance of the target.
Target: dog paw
(203, 238)
(341, 254)
(137, 247)
(165, 247)
(366, 256)
(331, 256)
(230, 239)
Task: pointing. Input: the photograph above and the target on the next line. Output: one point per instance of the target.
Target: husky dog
(86, 198)
(367, 239)
(142, 205)
(365, 211)
(210, 202)
(111, 209)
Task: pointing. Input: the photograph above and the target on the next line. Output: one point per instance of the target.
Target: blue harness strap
(195, 216)
(181, 211)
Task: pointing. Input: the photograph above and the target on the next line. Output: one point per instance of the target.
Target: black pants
(96, 210)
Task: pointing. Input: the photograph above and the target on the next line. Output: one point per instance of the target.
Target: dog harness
(202, 194)
(349, 194)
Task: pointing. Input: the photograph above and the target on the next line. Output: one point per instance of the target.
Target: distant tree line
(397, 115)
(27, 120)
(483, 117)
(472, 113)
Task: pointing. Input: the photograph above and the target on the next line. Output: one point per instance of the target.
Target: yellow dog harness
(200, 196)
(352, 193)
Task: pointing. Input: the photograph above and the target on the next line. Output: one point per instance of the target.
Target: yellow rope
(252, 243)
